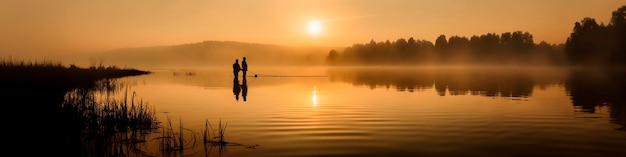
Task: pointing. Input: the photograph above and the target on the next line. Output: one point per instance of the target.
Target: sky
(40, 27)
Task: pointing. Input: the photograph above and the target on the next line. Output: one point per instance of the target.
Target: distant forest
(590, 43)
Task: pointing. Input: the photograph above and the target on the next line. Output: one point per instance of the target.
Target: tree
(591, 43)
(617, 27)
(618, 18)
(458, 43)
(441, 43)
(441, 47)
(332, 57)
(505, 40)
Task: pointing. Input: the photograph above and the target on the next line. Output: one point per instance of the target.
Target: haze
(39, 28)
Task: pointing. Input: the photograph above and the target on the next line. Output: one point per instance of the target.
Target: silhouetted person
(244, 67)
(244, 89)
(236, 88)
(236, 68)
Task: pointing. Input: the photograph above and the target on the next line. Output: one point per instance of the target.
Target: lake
(382, 111)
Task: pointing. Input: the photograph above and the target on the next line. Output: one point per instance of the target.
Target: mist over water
(374, 111)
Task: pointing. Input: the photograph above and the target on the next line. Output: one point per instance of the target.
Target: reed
(172, 142)
(105, 126)
(218, 134)
(217, 138)
(109, 114)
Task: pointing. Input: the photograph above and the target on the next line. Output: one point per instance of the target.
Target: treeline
(589, 44)
(507, 48)
(597, 44)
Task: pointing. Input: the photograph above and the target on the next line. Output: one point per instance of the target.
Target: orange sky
(46, 26)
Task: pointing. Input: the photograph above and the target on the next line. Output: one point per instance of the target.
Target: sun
(315, 27)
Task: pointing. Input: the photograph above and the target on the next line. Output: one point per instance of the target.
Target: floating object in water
(186, 73)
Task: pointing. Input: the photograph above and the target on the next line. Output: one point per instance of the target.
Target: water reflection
(483, 82)
(590, 89)
(236, 88)
(314, 98)
(421, 113)
(244, 88)
(240, 89)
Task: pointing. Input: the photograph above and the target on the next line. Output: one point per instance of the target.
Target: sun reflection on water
(314, 97)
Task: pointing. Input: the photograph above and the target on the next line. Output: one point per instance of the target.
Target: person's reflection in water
(236, 88)
(244, 88)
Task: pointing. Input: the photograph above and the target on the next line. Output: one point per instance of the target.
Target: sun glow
(315, 27)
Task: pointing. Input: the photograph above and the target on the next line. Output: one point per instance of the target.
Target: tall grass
(105, 126)
(172, 142)
(15, 63)
(217, 134)
(184, 141)
(217, 139)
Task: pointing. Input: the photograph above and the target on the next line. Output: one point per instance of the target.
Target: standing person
(236, 68)
(244, 66)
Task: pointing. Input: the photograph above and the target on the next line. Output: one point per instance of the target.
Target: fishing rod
(270, 75)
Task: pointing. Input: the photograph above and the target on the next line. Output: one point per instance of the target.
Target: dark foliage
(595, 44)
(487, 49)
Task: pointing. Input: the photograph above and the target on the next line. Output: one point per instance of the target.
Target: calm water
(393, 111)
